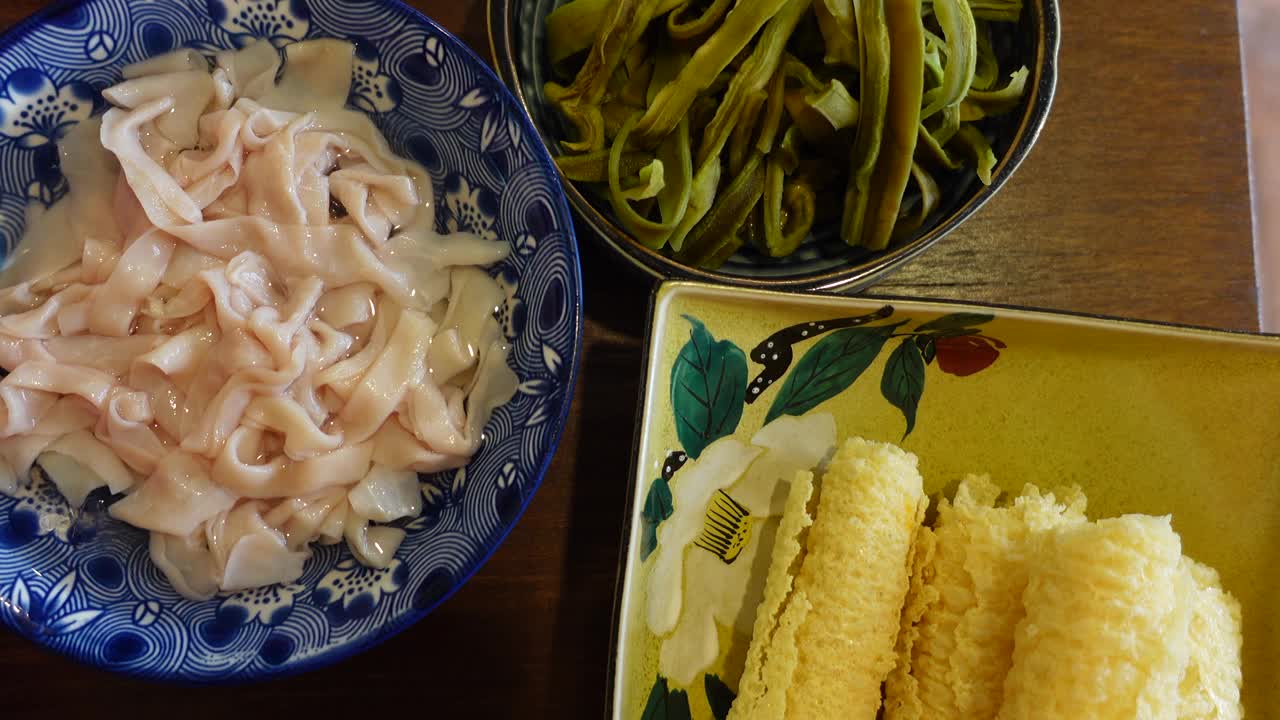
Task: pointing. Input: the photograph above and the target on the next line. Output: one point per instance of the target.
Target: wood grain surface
(1134, 203)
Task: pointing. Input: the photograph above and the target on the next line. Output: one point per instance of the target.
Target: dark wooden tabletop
(1135, 202)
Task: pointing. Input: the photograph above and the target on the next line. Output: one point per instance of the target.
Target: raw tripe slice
(855, 575)
(1210, 687)
(771, 656)
(1105, 632)
(953, 663)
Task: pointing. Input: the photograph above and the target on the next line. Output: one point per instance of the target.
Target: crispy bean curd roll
(825, 649)
(967, 600)
(771, 658)
(1210, 686)
(1105, 632)
(856, 575)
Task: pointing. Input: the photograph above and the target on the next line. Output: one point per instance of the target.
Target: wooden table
(1135, 202)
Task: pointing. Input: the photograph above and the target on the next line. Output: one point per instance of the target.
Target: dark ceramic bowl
(823, 262)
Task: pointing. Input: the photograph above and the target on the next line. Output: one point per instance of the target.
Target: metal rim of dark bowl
(503, 26)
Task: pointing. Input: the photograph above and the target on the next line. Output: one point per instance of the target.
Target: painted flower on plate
(47, 613)
(269, 605)
(351, 591)
(470, 208)
(35, 112)
(511, 314)
(372, 90)
(707, 569)
(40, 510)
(277, 21)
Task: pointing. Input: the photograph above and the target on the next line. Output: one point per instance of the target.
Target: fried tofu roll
(957, 645)
(832, 644)
(1105, 632)
(762, 692)
(1210, 687)
(855, 577)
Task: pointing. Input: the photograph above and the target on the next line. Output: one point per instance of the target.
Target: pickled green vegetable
(579, 103)
(714, 125)
(983, 103)
(987, 68)
(726, 216)
(835, 19)
(732, 37)
(788, 207)
(936, 133)
(572, 27)
(930, 196)
(873, 35)
(961, 54)
(681, 28)
(996, 10)
(902, 121)
(978, 149)
(648, 232)
(593, 167)
(820, 115)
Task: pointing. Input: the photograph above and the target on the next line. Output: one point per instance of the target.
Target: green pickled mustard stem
(930, 197)
(574, 26)
(961, 37)
(593, 167)
(993, 10)
(836, 21)
(647, 232)
(978, 149)
(734, 34)
(822, 114)
(743, 134)
(680, 28)
(902, 121)
(579, 103)
(789, 207)
(873, 99)
(933, 141)
(727, 214)
(773, 110)
(752, 78)
(987, 67)
(986, 103)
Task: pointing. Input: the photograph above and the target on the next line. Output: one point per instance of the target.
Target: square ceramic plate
(1145, 418)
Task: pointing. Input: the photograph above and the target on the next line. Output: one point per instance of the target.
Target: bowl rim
(488, 546)
(502, 28)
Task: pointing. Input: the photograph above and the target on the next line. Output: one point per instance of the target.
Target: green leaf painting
(719, 696)
(666, 705)
(708, 384)
(903, 381)
(928, 347)
(657, 507)
(828, 368)
(961, 323)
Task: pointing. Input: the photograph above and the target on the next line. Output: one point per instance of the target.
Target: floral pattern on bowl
(82, 584)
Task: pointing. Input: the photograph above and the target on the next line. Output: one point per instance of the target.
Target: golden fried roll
(763, 688)
(902, 691)
(1105, 632)
(953, 662)
(855, 577)
(1210, 687)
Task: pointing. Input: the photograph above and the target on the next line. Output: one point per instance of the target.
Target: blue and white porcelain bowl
(99, 599)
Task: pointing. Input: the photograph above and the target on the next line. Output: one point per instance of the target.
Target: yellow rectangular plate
(1145, 418)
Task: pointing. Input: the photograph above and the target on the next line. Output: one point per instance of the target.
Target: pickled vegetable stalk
(710, 126)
